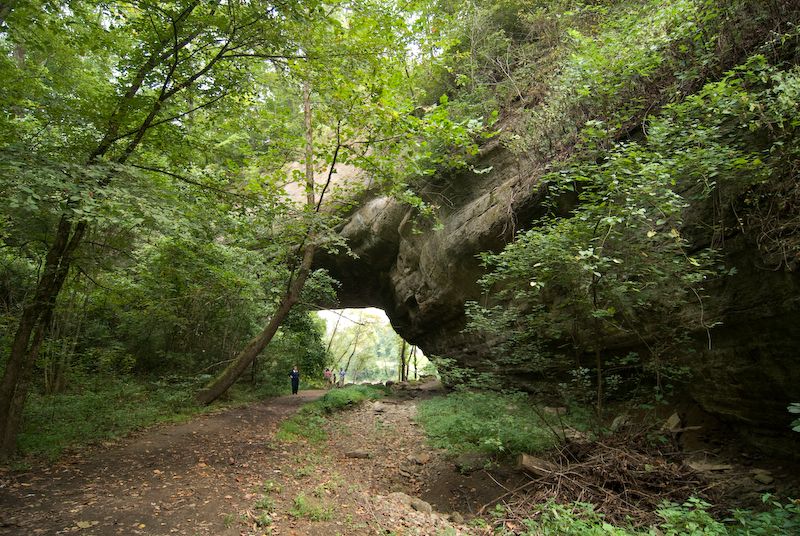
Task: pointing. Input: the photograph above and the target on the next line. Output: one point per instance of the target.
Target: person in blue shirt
(295, 377)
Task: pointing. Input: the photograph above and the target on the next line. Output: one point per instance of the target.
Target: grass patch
(308, 423)
(487, 422)
(100, 411)
(270, 486)
(303, 425)
(265, 503)
(311, 509)
(339, 399)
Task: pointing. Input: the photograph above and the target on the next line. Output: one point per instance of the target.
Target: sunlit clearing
(363, 344)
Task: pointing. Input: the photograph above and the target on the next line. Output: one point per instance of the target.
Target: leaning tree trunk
(245, 358)
(233, 371)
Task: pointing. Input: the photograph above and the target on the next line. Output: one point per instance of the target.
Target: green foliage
(102, 403)
(452, 374)
(578, 519)
(794, 407)
(494, 423)
(777, 518)
(613, 257)
(689, 519)
(611, 268)
(105, 407)
(559, 63)
(175, 135)
(187, 302)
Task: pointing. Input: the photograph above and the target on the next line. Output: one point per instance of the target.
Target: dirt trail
(226, 474)
(176, 479)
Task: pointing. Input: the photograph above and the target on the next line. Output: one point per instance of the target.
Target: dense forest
(175, 175)
(159, 165)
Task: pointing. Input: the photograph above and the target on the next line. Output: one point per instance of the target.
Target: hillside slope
(708, 90)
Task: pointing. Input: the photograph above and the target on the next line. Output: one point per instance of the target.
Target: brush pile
(625, 477)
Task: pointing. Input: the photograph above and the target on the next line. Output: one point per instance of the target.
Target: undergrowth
(308, 423)
(490, 422)
(506, 424)
(108, 407)
(689, 518)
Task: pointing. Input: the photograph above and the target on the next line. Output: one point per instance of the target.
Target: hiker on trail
(295, 377)
(341, 377)
(327, 375)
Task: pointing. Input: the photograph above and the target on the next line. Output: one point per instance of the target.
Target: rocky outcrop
(747, 368)
(420, 276)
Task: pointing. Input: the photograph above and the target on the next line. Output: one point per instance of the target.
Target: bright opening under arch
(363, 343)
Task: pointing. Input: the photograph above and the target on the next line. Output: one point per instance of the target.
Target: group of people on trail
(330, 378)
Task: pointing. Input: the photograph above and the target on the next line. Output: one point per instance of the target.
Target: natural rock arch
(422, 277)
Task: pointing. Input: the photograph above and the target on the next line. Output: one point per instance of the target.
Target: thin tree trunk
(355, 344)
(355, 347)
(599, 364)
(333, 334)
(65, 364)
(403, 376)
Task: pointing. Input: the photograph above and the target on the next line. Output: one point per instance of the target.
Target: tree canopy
(150, 152)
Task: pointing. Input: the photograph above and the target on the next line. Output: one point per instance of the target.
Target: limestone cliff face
(422, 277)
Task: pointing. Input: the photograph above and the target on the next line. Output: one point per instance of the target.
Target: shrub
(690, 518)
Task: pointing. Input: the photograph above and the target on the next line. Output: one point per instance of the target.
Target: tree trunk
(355, 348)
(8, 441)
(30, 331)
(403, 376)
(333, 334)
(239, 365)
(599, 364)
